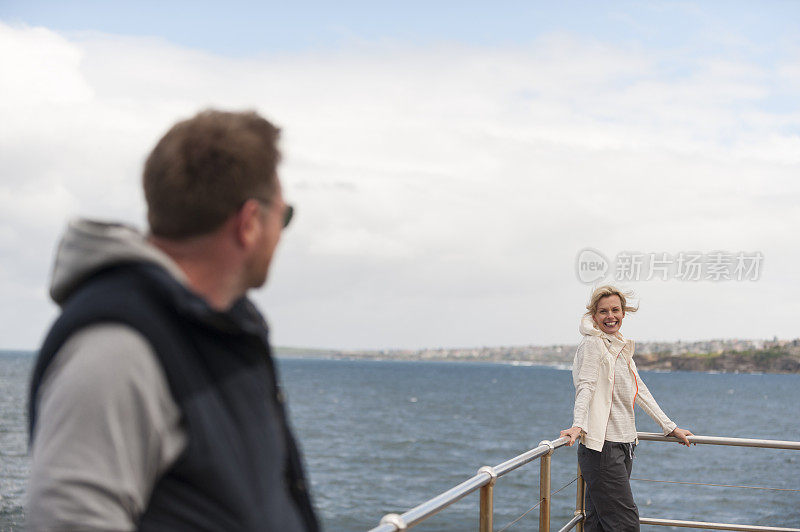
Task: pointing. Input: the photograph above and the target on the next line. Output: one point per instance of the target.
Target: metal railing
(486, 477)
(484, 480)
(712, 440)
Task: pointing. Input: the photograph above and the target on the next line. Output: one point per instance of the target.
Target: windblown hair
(609, 290)
(205, 168)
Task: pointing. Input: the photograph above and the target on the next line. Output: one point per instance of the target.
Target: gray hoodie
(87, 475)
(89, 245)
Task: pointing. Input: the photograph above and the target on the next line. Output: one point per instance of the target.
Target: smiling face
(609, 314)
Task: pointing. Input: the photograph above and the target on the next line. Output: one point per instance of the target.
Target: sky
(457, 169)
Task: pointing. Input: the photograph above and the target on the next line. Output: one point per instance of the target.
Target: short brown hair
(605, 291)
(205, 168)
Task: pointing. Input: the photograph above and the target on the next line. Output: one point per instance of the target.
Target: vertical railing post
(580, 500)
(487, 509)
(544, 489)
(487, 501)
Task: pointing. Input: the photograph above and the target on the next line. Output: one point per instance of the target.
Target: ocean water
(382, 437)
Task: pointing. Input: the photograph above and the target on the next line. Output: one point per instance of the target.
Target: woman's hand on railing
(681, 434)
(572, 433)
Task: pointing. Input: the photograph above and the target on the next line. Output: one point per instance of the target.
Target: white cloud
(442, 193)
(38, 58)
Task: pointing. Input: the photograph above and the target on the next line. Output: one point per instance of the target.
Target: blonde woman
(607, 386)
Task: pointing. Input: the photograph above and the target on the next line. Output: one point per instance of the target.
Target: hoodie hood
(89, 246)
(587, 327)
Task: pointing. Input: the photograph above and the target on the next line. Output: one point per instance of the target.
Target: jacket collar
(241, 317)
(615, 343)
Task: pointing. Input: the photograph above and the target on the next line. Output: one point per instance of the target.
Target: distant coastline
(724, 356)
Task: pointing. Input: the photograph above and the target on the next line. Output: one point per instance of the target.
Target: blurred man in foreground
(154, 403)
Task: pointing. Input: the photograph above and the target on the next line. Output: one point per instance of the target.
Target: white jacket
(594, 385)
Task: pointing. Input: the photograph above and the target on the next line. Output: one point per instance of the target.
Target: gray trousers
(609, 501)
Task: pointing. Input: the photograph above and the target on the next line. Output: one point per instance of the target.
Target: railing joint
(394, 519)
(549, 444)
(491, 472)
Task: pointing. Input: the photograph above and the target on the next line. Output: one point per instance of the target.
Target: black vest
(241, 469)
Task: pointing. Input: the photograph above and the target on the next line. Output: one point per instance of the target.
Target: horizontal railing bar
(437, 504)
(529, 456)
(440, 502)
(714, 526)
(521, 460)
(572, 522)
(714, 440)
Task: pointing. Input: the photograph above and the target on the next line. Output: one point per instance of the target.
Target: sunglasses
(288, 212)
(287, 215)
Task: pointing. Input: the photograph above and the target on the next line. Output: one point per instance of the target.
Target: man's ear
(247, 224)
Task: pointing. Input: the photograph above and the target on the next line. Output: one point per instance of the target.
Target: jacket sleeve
(585, 377)
(646, 400)
(107, 428)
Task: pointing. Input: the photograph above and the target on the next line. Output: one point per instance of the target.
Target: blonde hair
(609, 290)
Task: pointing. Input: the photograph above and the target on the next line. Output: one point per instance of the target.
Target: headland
(724, 356)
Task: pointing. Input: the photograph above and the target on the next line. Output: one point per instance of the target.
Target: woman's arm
(587, 361)
(588, 372)
(646, 400)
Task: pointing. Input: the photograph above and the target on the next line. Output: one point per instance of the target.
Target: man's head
(205, 168)
(214, 201)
